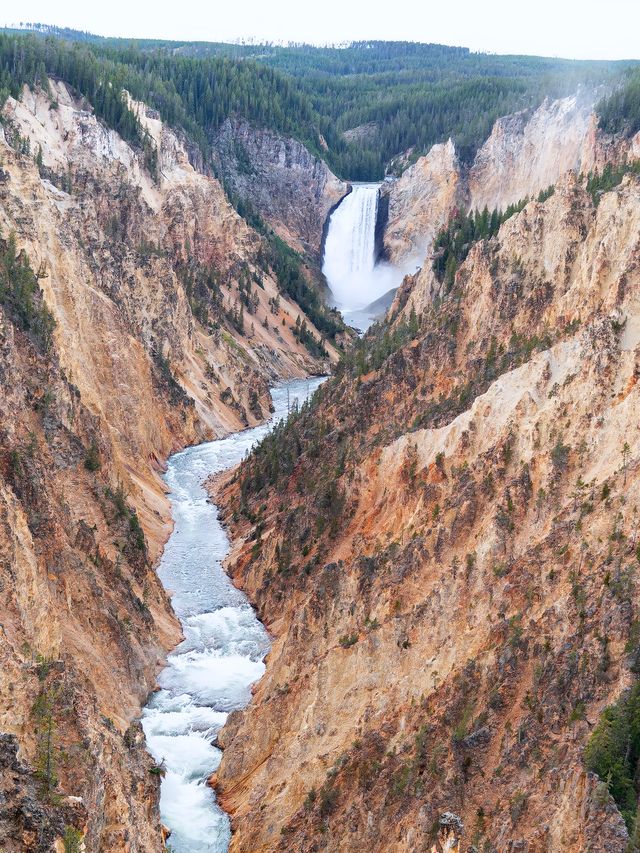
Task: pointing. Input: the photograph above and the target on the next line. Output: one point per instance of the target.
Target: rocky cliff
(291, 189)
(138, 313)
(525, 153)
(446, 556)
(529, 150)
(420, 201)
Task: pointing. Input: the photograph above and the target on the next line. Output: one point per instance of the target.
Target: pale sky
(584, 29)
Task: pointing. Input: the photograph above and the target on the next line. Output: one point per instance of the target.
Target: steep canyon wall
(138, 315)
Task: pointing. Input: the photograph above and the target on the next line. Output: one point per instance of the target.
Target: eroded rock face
(420, 202)
(26, 822)
(289, 187)
(526, 153)
(440, 595)
(134, 257)
(143, 275)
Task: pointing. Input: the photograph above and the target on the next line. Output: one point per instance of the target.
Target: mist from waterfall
(355, 279)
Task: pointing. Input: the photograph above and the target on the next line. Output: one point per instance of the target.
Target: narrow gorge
(447, 546)
(140, 314)
(210, 672)
(319, 448)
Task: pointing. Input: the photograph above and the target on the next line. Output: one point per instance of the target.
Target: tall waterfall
(354, 278)
(349, 252)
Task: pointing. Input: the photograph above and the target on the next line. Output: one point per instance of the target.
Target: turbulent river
(210, 673)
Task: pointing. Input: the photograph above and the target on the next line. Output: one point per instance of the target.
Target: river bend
(210, 673)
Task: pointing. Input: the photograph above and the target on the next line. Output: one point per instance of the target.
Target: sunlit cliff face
(442, 563)
(140, 361)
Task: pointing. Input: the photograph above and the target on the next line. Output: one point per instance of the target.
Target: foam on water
(354, 277)
(211, 672)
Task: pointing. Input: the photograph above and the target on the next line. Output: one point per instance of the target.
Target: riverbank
(211, 672)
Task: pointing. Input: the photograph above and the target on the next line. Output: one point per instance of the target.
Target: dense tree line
(414, 95)
(20, 294)
(31, 61)
(609, 178)
(195, 94)
(619, 112)
(455, 239)
(613, 752)
(409, 95)
(279, 451)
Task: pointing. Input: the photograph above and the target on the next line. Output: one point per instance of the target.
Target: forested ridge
(194, 94)
(400, 95)
(619, 112)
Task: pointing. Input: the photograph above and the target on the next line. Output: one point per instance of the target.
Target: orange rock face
(525, 153)
(141, 274)
(447, 559)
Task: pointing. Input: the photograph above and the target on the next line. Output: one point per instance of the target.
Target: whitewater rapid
(355, 278)
(210, 673)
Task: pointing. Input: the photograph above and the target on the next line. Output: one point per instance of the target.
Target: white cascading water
(210, 673)
(349, 251)
(349, 263)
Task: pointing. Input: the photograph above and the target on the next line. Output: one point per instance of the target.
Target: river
(211, 672)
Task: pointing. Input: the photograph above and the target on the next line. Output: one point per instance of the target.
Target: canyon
(133, 275)
(441, 543)
(446, 553)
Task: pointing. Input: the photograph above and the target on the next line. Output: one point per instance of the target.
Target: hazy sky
(597, 29)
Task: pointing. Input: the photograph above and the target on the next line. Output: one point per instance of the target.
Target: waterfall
(349, 251)
(361, 288)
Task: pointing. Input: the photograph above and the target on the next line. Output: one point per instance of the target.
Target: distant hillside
(409, 95)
